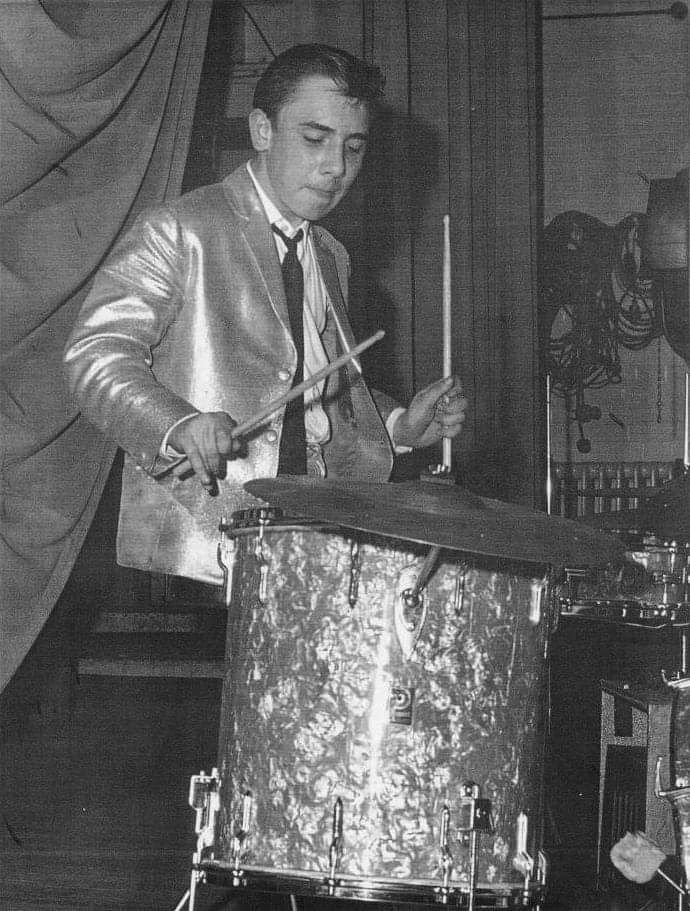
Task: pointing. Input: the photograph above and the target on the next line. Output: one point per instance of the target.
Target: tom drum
(374, 746)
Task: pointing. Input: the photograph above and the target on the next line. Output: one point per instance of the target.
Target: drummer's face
(311, 152)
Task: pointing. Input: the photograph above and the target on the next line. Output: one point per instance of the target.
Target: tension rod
(412, 595)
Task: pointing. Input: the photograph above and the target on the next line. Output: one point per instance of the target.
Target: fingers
(207, 441)
(450, 411)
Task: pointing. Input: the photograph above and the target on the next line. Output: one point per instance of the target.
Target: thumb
(225, 441)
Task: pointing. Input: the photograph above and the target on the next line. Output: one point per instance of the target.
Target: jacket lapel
(243, 198)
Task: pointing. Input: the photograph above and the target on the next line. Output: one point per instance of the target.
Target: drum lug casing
(204, 799)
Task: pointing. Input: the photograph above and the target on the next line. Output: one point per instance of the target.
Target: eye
(314, 139)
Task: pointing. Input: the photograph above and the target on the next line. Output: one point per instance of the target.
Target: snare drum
(651, 589)
(377, 748)
(667, 566)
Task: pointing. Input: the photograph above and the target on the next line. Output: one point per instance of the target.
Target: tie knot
(290, 242)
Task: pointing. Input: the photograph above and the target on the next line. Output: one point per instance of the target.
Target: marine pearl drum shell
(341, 699)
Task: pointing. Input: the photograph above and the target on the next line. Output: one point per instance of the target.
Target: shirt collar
(272, 212)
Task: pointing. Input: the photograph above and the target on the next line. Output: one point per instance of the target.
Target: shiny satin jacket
(189, 314)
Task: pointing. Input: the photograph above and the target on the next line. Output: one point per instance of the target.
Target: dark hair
(354, 77)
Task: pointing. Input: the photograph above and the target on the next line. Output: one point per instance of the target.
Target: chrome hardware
(475, 818)
(475, 810)
(538, 591)
(249, 518)
(410, 605)
(264, 518)
(355, 572)
(336, 847)
(523, 862)
(238, 840)
(444, 890)
(410, 612)
(573, 575)
(459, 591)
(204, 799)
(224, 555)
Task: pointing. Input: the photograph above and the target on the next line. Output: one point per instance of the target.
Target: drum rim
(366, 884)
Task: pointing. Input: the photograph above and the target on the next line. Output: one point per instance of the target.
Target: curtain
(97, 102)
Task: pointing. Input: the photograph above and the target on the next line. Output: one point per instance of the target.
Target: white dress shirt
(316, 305)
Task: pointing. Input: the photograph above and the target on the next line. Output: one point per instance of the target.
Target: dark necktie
(292, 457)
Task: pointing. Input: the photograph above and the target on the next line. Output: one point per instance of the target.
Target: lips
(325, 194)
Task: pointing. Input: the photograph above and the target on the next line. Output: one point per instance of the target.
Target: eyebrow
(315, 125)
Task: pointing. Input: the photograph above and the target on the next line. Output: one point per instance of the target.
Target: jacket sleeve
(135, 298)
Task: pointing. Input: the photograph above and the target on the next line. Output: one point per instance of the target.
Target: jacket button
(271, 436)
(284, 375)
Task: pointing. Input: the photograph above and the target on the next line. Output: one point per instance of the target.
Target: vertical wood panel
(492, 84)
(429, 112)
(379, 240)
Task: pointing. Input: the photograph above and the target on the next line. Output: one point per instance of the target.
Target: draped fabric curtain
(98, 99)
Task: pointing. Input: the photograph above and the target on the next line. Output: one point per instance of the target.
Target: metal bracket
(410, 605)
(225, 556)
(336, 847)
(444, 890)
(355, 572)
(238, 840)
(204, 799)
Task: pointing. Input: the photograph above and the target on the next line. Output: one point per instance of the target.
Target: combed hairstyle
(354, 77)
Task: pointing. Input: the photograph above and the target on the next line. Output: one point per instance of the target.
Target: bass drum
(361, 733)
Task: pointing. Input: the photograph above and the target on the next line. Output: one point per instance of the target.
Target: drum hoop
(628, 612)
(285, 524)
(419, 891)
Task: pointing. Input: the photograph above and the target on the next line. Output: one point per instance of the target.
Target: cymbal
(429, 512)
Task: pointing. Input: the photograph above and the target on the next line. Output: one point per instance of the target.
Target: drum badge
(400, 704)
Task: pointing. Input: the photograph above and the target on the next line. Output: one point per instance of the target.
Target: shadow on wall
(380, 222)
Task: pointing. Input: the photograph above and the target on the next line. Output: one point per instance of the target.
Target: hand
(436, 412)
(207, 441)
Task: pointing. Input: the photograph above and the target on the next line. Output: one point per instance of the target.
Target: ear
(260, 130)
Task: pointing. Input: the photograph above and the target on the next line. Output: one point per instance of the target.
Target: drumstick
(181, 466)
(447, 450)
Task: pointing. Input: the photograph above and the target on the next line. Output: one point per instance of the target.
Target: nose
(333, 162)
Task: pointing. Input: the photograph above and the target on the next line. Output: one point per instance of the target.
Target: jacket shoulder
(216, 200)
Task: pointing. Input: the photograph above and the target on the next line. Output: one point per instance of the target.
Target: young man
(187, 330)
